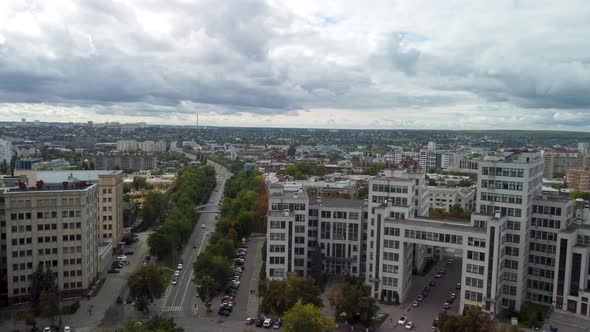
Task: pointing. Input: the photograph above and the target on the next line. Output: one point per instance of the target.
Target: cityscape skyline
(414, 65)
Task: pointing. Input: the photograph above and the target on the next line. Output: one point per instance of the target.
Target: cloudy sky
(299, 63)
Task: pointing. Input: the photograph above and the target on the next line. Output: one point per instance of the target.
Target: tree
(41, 280)
(374, 169)
(307, 317)
(354, 299)
(155, 324)
(320, 170)
(465, 183)
(209, 264)
(139, 182)
(145, 286)
(48, 305)
(472, 320)
(291, 151)
(280, 295)
(207, 290)
(154, 207)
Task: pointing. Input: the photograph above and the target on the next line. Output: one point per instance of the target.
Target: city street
(178, 298)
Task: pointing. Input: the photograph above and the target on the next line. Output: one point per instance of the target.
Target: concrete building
(557, 161)
(578, 178)
(5, 151)
(53, 225)
(134, 162)
(469, 165)
(146, 146)
(443, 198)
(584, 148)
(110, 197)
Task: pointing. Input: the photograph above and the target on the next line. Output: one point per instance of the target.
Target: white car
(174, 281)
(66, 329)
(47, 329)
(267, 322)
(177, 273)
(402, 320)
(409, 325)
(415, 304)
(179, 266)
(202, 225)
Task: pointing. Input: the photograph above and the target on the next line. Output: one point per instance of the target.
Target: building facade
(444, 198)
(134, 162)
(52, 225)
(578, 178)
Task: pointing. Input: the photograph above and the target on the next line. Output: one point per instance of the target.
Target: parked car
(113, 271)
(409, 325)
(438, 275)
(202, 225)
(458, 286)
(250, 321)
(432, 283)
(129, 300)
(47, 329)
(224, 312)
(267, 323)
(450, 261)
(67, 329)
(446, 305)
(420, 298)
(402, 320)
(259, 322)
(176, 273)
(415, 304)
(174, 281)
(277, 324)
(194, 246)
(119, 299)
(179, 266)
(129, 252)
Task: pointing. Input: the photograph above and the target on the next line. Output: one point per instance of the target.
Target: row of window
(287, 206)
(393, 244)
(549, 274)
(277, 248)
(509, 290)
(390, 188)
(389, 281)
(390, 256)
(390, 268)
(511, 264)
(547, 223)
(473, 296)
(475, 242)
(338, 231)
(510, 276)
(511, 251)
(504, 185)
(540, 235)
(474, 282)
(539, 297)
(276, 260)
(501, 198)
(504, 211)
(542, 260)
(472, 268)
(511, 238)
(432, 236)
(550, 210)
(540, 285)
(534, 246)
(277, 273)
(277, 236)
(503, 171)
(395, 201)
(477, 256)
(391, 231)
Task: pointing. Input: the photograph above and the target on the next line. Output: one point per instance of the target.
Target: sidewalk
(252, 307)
(84, 320)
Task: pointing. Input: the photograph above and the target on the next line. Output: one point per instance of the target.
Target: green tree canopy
(207, 290)
(145, 286)
(155, 324)
(472, 320)
(307, 317)
(42, 280)
(355, 300)
(279, 296)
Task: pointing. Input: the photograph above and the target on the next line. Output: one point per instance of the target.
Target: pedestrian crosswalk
(171, 308)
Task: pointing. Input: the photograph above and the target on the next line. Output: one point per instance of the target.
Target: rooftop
(339, 202)
(65, 186)
(82, 175)
(438, 223)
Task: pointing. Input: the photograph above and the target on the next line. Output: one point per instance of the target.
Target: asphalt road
(178, 297)
(429, 308)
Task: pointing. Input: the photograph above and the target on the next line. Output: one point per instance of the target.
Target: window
(339, 230)
(277, 236)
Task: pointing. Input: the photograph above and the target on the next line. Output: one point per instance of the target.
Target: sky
(413, 64)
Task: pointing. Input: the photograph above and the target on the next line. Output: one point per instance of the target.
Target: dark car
(128, 252)
(129, 299)
(259, 322)
(147, 258)
(117, 265)
(113, 271)
(119, 299)
(224, 312)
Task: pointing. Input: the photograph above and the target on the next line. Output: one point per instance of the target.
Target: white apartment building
(5, 151)
(54, 225)
(443, 198)
(146, 146)
(519, 245)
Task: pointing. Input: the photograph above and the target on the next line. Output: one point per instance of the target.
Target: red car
(194, 246)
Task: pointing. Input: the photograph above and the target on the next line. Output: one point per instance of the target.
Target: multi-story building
(134, 162)
(314, 235)
(557, 161)
(584, 148)
(110, 196)
(578, 178)
(146, 146)
(469, 165)
(52, 225)
(445, 197)
(5, 151)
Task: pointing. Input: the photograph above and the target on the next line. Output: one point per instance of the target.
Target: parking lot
(431, 305)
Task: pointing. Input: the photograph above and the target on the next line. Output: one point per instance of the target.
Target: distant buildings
(444, 198)
(53, 225)
(5, 151)
(557, 160)
(578, 178)
(146, 146)
(124, 161)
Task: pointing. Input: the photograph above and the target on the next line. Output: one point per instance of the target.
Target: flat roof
(72, 186)
(82, 175)
(438, 223)
(340, 202)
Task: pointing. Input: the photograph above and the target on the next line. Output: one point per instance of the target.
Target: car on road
(129, 300)
(415, 304)
(447, 305)
(435, 324)
(432, 283)
(450, 300)
(402, 320)
(224, 312)
(267, 323)
(129, 252)
(177, 273)
(194, 246)
(174, 281)
(409, 325)
(453, 295)
(67, 329)
(420, 298)
(119, 299)
(250, 321)
(438, 275)
(450, 261)
(113, 271)
(259, 322)
(202, 225)
(122, 258)
(277, 324)
(47, 329)
(179, 266)
(442, 271)
(458, 285)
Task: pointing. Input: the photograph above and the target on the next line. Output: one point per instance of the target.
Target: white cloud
(376, 63)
